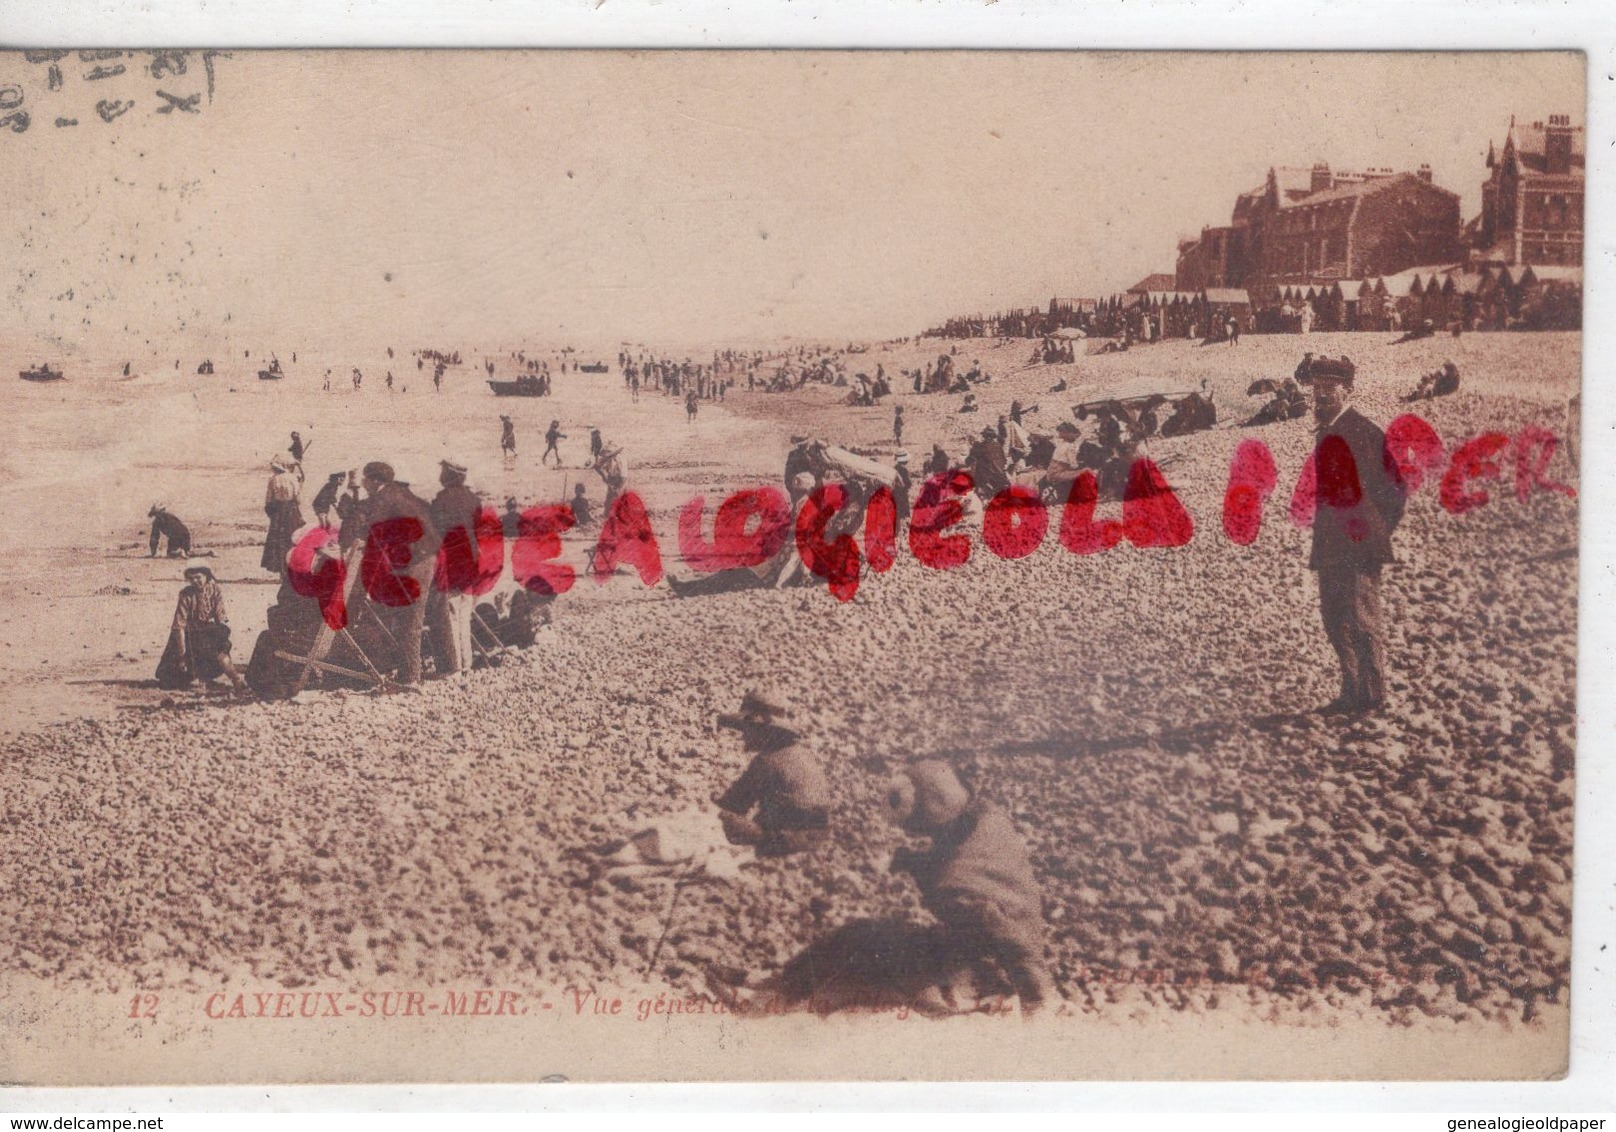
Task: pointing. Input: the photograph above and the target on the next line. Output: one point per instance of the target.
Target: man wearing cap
(390, 554)
(454, 517)
(165, 525)
(199, 640)
(1359, 504)
(784, 784)
(976, 877)
(285, 515)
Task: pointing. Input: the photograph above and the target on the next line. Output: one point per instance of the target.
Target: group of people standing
(688, 380)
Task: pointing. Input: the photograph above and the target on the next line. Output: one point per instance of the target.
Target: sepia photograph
(788, 565)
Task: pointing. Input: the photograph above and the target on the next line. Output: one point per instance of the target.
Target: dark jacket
(788, 787)
(988, 467)
(801, 459)
(325, 500)
(178, 535)
(455, 508)
(902, 486)
(1360, 499)
(396, 501)
(979, 859)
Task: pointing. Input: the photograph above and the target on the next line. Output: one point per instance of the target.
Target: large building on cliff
(1314, 224)
(1531, 202)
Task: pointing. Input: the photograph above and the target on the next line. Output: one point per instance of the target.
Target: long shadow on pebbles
(1060, 746)
(880, 964)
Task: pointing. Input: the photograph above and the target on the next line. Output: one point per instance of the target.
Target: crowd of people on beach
(350, 506)
(994, 457)
(780, 805)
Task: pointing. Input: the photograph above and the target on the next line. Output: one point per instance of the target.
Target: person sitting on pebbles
(199, 641)
(1437, 383)
(976, 878)
(784, 783)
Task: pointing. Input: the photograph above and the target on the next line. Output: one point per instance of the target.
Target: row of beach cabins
(1489, 298)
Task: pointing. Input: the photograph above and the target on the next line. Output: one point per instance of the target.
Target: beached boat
(594, 367)
(273, 373)
(522, 387)
(41, 373)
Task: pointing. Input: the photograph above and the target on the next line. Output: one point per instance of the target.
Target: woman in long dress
(285, 515)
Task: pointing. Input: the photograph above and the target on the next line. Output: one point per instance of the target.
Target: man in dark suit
(401, 547)
(1359, 504)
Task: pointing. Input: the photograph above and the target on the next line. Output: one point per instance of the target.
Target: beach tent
(859, 467)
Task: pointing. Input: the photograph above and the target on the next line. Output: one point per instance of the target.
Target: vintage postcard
(788, 565)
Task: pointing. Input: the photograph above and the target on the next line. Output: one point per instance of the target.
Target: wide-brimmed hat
(902, 457)
(156, 507)
(1066, 426)
(759, 716)
(764, 706)
(451, 466)
(278, 464)
(196, 566)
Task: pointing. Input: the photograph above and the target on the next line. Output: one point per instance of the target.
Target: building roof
(1159, 281)
(1547, 272)
(1400, 284)
(1291, 179)
(1404, 281)
(1530, 145)
(1364, 188)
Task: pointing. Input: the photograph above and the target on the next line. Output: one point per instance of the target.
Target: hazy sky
(668, 197)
